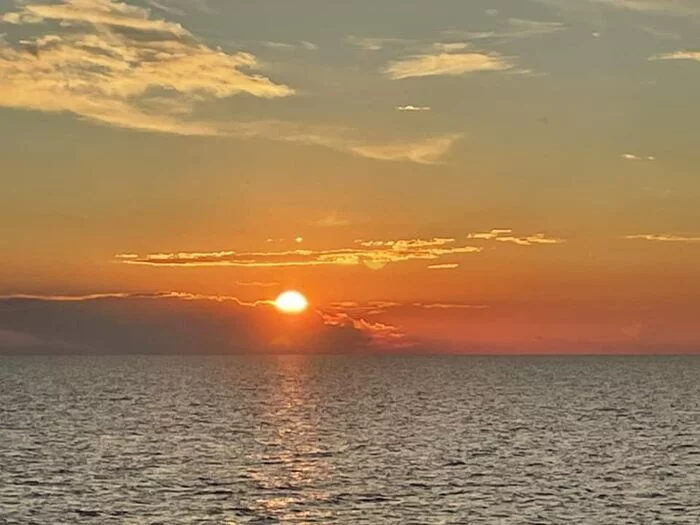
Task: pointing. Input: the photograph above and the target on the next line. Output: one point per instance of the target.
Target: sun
(291, 302)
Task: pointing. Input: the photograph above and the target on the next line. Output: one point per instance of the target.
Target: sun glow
(291, 302)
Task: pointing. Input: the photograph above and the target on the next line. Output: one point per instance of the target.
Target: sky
(448, 176)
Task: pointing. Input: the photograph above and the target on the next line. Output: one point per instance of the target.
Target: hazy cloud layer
(172, 322)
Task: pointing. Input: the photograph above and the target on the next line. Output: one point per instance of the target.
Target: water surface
(228, 440)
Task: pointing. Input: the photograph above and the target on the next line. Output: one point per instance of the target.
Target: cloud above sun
(112, 63)
(372, 254)
(116, 64)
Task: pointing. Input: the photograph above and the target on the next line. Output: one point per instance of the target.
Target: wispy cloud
(112, 63)
(515, 28)
(377, 44)
(291, 46)
(442, 63)
(372, 254)
(332, 221)
(652, 7)
(632, 156)
(450, 306)
(411, 107)
(447, 266)
(505, 235)
(257, 284)
(135, 295)
(678, 55)
(664, 237)
(427, 151)
(372, 308)
(671, 7)
(97, 12)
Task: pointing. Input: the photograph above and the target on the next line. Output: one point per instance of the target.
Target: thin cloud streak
(449, 64)
(187, 296)
(664, 237)
(504, 235)
(411, 108)
(632, 156)
(372, 254)
(678, 55)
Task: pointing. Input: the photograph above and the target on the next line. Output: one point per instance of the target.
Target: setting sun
(291, 302)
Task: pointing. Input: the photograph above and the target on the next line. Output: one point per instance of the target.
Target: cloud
(450, 306)
(442, 63)
(257, 284)
(504, 235)
(378, 335)
(96, 12)
(489, 235)
(631, 156)
(678, 55)
(176, 322)
(670, 7)
(115, 65)
(411, 107)
(653, 7)
(448, 266)
(286, 46)
(371, 308)
(516, 28)
(377, 44)
(372, 254)
(428, 151)
(421, 151)
(185, 296)
(332, 221)
(664, 237)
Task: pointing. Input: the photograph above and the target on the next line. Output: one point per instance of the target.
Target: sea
(349, 439)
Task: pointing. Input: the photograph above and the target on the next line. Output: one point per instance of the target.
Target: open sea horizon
(236, 439)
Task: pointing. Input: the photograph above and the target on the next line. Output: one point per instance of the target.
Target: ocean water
(406, 440)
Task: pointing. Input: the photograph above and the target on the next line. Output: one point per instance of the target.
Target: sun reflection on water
(293, 469)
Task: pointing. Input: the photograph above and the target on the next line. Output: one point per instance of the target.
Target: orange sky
(482, 177)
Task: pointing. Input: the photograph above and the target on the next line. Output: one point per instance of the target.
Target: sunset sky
(445, 176)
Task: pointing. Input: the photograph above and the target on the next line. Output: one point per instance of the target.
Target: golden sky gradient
(487, 176)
